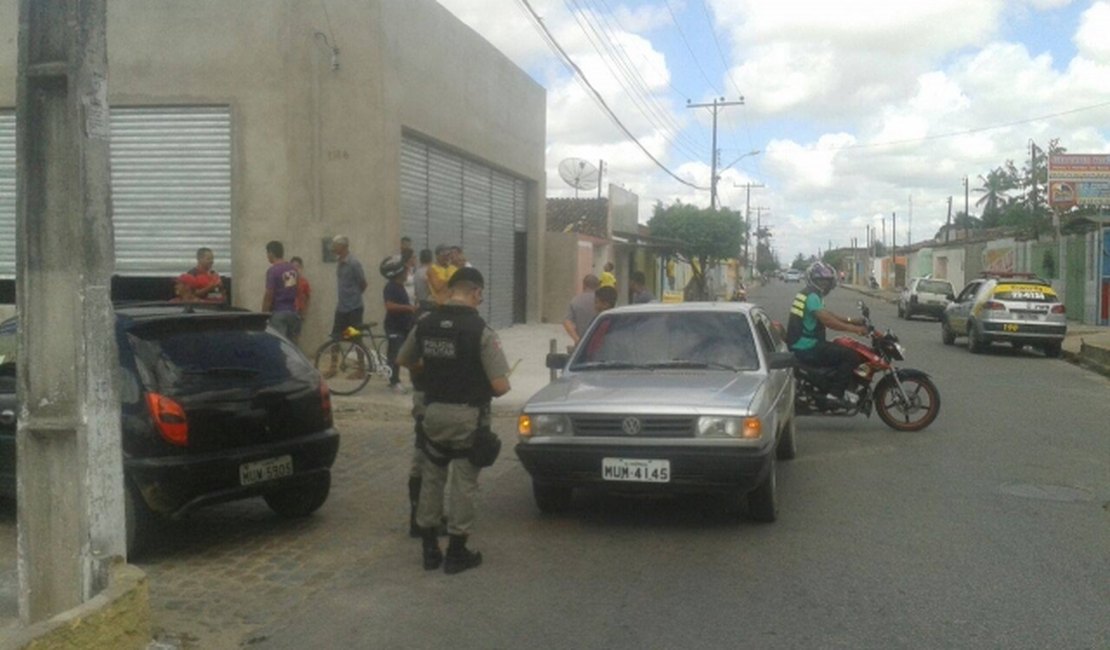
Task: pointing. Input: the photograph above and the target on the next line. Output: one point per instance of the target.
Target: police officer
(462, 368)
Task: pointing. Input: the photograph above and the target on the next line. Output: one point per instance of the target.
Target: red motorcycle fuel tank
(859, 348)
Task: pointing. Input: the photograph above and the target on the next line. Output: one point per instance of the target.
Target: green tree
(701, 237)
(996, 185)
(801, 262)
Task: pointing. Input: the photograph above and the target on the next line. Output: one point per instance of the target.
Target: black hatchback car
(214, 408)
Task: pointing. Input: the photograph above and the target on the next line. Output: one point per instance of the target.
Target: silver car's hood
(661, 391)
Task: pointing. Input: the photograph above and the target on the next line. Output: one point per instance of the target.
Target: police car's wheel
(552, 499)
(975, 342)
(946, 333)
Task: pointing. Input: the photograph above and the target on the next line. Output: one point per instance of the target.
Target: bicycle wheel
(345, 365)
(379, 359)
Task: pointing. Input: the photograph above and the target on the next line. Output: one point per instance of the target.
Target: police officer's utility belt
(478, 404)
(482, 452)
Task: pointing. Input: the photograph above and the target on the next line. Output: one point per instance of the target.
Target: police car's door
(959, 312)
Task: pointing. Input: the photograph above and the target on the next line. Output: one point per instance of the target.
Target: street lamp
(754, 152)
(717, 176)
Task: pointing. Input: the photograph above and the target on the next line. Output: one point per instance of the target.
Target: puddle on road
(1061, 493)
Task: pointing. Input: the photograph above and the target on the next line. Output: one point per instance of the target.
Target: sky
(858, 108)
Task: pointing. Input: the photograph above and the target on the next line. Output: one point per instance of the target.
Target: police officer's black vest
(450, 343)
(795, 326)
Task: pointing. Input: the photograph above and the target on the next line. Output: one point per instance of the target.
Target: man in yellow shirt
(439, 274)
(607, 279)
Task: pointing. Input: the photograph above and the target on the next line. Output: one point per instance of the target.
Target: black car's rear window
(658, 339)
(210, 357)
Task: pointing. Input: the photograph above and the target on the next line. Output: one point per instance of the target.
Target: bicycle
(347, 363)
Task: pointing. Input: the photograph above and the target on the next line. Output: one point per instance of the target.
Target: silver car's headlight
(543, 425)
(713, 426)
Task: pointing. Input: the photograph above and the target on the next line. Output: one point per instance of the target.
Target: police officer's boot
(414, 498)
(433, 556)
(459, 558)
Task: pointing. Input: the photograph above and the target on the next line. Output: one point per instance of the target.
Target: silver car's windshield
(679, 339)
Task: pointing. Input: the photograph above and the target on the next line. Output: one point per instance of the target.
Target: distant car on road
(215, 407)
(1016, 308)
(793, 275)
(924, 296)
(692, 397)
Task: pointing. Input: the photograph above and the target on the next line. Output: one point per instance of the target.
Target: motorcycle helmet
(391, 267)
(822, 277)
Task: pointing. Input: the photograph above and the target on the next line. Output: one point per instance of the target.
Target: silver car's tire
(1053, 350)
(552, 499)
(763, 505)
(787, 447)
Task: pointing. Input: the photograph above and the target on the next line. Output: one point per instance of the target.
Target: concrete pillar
(71, 512)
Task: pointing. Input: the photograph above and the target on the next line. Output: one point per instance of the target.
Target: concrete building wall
(561, 250)
(316, 150)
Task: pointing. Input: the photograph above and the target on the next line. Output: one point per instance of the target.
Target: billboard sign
(624, 210)
(1078, 180)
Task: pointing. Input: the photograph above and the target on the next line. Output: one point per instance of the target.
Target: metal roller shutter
(502, 272)
(414, 193)
(446, 199)
(171, 187)
(7, 195)
(476, 223)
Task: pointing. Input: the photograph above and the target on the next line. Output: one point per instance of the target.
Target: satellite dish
(579, 174)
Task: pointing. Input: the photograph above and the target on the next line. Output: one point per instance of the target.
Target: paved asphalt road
(991, 529)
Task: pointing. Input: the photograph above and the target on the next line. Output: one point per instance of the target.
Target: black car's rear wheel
(912, 412)
(552, 499)
(137, 519)
(300, 499)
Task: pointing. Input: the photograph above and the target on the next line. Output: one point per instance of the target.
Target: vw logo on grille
(631, 426)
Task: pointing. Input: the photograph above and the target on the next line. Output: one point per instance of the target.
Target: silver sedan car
(693, 397)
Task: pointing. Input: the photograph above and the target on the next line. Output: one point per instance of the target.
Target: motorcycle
(905, 399)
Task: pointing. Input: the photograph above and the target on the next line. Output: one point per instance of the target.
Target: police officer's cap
(467, 274)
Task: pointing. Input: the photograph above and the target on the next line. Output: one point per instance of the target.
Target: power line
(581, 76)
(626, 75)
(689, 49)
(952, 134)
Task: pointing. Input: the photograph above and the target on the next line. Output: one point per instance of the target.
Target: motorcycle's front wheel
(911, 408)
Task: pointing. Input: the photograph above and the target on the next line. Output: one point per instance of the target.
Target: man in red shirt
(201, 283)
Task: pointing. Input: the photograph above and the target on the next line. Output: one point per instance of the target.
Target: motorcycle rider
(805, 332)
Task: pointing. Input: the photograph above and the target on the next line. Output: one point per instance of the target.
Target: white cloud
(1093, 37)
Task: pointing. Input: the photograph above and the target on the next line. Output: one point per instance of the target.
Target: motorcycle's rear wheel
(918, 413)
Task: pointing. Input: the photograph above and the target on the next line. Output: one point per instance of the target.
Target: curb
(116, 618)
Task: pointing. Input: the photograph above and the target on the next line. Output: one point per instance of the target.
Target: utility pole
(759, 210)
(748, 215)
(967, 209)
(70, 463)
(600, 174)
(909, 229)
(948, 222)
(717, 105)
(893, 250)
(1033, 176)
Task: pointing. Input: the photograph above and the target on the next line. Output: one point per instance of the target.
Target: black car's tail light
(169, 418)
(325, 402)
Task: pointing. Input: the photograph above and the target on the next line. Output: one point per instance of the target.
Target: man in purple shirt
(280, 298)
